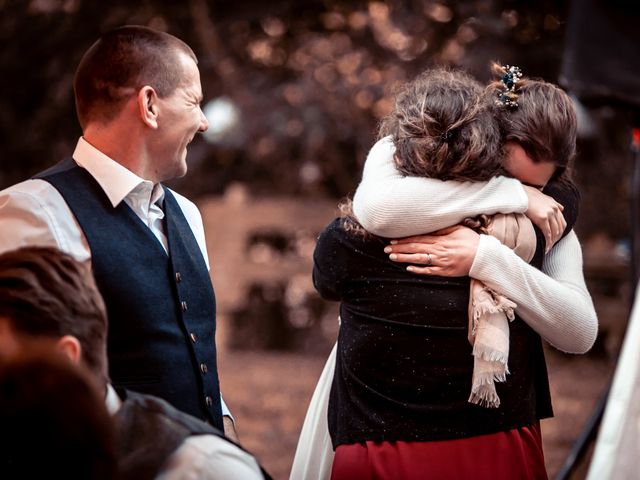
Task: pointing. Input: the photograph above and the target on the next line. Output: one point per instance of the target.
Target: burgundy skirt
(516, 454)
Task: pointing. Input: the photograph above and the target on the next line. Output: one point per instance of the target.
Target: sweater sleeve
(554, 302)
(389, 204)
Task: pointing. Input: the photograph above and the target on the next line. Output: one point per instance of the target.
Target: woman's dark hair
(441, 128)
(543, 122)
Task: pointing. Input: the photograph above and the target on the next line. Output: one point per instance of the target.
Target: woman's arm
(554, 302)
(391, 205)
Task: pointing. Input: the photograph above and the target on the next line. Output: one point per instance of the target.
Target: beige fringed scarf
(490, 312)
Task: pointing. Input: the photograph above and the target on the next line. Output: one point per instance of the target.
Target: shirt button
(208, 400)
(203, 368)
(193, 337)
(178, 277)
(183, 304)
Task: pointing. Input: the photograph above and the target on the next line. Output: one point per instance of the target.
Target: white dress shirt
(33, 213)
(201, 457)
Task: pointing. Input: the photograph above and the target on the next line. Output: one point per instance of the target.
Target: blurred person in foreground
(138, 96)
(51, 408)
(410, 396)
(47, 296)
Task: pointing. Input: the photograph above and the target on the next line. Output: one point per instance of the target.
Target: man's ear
(70, 346)
(147, 101)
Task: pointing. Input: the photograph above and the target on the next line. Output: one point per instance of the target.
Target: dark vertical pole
(587, 436)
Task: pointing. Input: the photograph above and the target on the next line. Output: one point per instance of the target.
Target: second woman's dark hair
(543, 122)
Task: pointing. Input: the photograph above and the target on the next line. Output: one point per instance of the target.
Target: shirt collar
(116, 181)
(112, 400)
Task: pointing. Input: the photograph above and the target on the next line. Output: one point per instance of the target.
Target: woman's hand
(448, 253)
(546, 214)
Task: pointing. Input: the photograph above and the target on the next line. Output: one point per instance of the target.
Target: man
(47, 296)
(138, 97)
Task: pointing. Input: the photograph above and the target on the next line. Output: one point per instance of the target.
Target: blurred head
(54, 420)
(539, 133)
(442, 129)
(47, 295)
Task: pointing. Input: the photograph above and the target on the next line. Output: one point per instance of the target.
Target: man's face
(179, 120)
(522, 167)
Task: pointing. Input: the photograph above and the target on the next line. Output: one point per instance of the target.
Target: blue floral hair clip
(509, 96)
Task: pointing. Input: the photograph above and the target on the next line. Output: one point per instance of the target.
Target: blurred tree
(299, 87)
(310, 80)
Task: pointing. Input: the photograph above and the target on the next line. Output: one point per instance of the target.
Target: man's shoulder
(192, 215)
(29, 187)
(37, 187)
(186, 205)
(181, 199)
(36, 197)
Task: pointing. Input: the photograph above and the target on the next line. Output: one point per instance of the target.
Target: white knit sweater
(554, 302)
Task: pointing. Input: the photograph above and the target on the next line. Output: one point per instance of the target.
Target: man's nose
(204, 123)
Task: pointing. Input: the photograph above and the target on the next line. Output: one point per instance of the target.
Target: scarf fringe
(491, 312)
(496, 303)
(487, 378)
(485, 396)
(489, 354)
(490, 364)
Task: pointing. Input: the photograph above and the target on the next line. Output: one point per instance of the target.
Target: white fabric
(618, 445)
(206, 457)
(201, 457)
(314, 454)
(387, 203)
(554, 302)
(33, 213)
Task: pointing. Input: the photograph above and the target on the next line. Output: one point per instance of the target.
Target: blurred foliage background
(295, 88)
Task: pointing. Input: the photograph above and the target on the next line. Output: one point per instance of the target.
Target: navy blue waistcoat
(161, 307)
